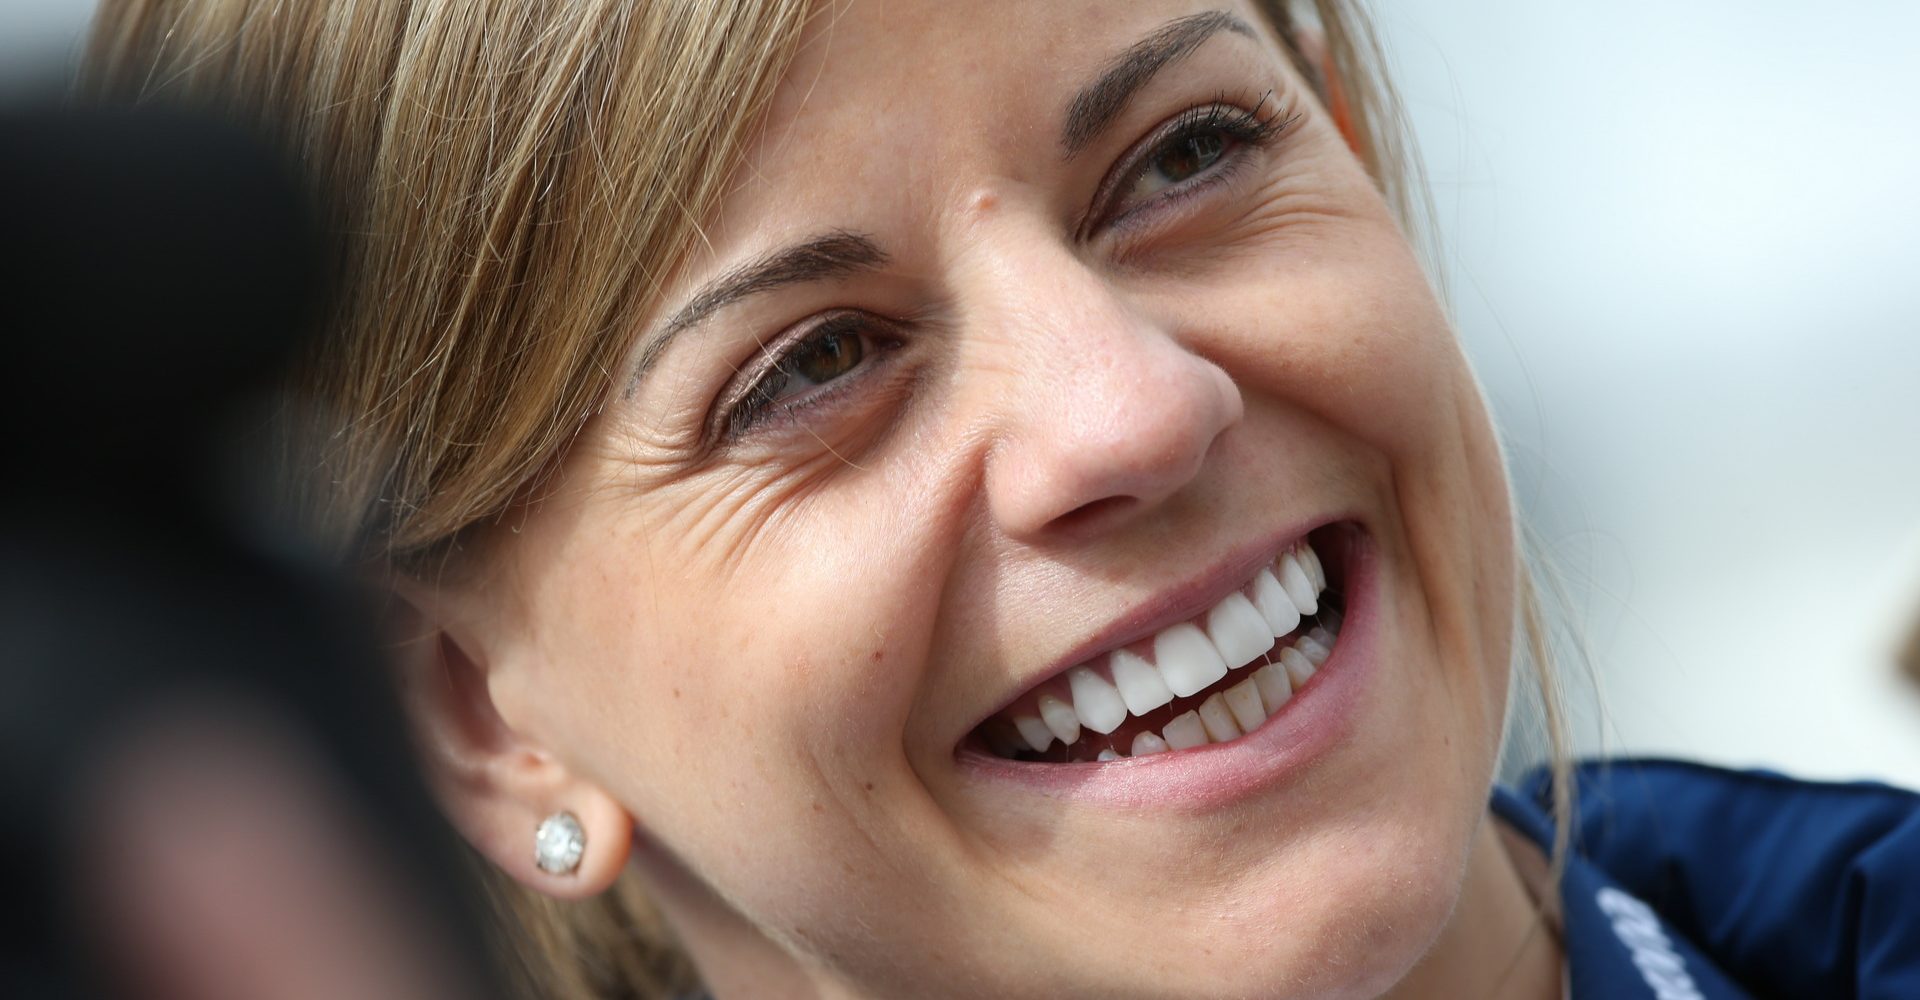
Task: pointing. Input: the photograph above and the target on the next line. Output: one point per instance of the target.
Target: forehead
(894, 107)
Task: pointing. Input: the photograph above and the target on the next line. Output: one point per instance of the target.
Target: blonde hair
(511, 183)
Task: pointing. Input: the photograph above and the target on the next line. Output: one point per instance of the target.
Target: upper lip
(1176, 604)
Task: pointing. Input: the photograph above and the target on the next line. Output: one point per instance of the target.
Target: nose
(1108, 416)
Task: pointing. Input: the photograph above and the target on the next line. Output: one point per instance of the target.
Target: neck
(1503, 940)
(734, 957)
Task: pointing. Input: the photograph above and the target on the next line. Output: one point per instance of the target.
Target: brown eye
(833, 350)
(1188, 155)
(827, 357)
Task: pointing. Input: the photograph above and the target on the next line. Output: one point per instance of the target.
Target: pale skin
(748, 658)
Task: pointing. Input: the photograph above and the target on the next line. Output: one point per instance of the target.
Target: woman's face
(1035, 332)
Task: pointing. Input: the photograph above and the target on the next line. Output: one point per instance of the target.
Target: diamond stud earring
(558, 844)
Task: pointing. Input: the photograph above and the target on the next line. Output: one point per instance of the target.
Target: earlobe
(605, 838)
(1313, 45)
(497, 785)
(1343, 114)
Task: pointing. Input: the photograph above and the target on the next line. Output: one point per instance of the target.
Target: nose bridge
(1103, 413)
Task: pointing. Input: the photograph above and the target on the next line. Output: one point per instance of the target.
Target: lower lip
(1317, 718)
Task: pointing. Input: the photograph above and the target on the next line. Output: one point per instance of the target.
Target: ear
(1313, 46)
(495, 784)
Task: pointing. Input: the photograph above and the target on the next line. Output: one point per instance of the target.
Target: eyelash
(1246, 127)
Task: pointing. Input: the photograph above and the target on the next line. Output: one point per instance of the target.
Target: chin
(1344, 912)
(1314, 849)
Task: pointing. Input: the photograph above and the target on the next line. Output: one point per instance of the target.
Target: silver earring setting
(559, 843)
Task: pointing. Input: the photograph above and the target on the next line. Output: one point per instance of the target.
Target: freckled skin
(1070, 427)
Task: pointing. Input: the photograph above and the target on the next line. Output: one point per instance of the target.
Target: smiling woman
(930, 499)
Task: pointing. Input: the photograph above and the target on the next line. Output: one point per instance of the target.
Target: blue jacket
(1694, 882)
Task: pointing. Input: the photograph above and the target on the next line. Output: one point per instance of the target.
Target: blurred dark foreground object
(207, 787)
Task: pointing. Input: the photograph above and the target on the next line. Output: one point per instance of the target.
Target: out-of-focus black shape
(162, 266)
(158, 272)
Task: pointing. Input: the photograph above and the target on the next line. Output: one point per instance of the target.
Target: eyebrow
(829, 255)
(1100, 102)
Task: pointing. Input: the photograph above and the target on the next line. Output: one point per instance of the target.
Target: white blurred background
(1681, 243)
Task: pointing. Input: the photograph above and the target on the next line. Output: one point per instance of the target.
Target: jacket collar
(1616, 946)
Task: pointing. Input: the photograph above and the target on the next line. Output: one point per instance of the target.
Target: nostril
(1093, 514)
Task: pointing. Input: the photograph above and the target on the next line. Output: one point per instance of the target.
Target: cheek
(1348, 335)
(1335, 319)
(727, 673)
(1318, 300)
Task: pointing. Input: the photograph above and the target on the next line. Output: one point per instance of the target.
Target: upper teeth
(1186, 659)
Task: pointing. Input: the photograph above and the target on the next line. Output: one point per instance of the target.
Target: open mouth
(1210, 679)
